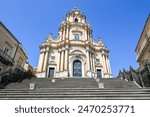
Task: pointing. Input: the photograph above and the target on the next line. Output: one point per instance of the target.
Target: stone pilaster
(87, 34)
(104, 64)
(67, 32)
(62, 61)
(93, 63)
(46, 60)
(88, 60)
(64, 33)
(40, 64)
(85, 31)
(58, 64)
(108, 65)
(66, 60)
(61, 36)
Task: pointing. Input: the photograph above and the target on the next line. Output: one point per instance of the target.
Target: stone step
(72, 93)
(69, 90)
(85, 98)
(82, 98)
(145, 96)
(77, 89)
(59, 83)
(73, 83)
(75, 94)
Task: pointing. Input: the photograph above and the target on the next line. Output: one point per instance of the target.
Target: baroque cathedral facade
(74, 53)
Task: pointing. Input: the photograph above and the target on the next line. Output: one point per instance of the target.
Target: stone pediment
(52, 62)
(98, 64)
(75, 52)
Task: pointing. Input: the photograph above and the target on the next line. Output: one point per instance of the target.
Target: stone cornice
(147, 45)
(61, 44)
(79, 24)
(143, 31)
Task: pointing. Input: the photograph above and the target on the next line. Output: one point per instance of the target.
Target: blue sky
(118, 22)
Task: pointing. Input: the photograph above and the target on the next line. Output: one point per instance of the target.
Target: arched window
(76, 20)
(77, 68)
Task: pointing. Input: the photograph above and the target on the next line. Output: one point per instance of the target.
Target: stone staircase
(74, 89)
(58, 83)
(118, 83)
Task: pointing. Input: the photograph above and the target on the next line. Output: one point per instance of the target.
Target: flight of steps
(118, 83)
(74, 89)
(59, 83)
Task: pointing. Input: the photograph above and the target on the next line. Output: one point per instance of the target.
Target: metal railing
(6, 57)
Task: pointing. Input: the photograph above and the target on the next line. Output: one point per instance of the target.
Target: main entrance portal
(77, 68)
(51, 72)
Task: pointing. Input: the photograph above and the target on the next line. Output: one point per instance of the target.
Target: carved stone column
(40, 64)
(46, 60)
(58, 65)
(85, 33)
(61, 36)
(67, 32)
(62, 60)
(108, 63)
(88, 60)
(93, 63)
(64, 33)
(92, 67)
(66, 59)
(104, 64)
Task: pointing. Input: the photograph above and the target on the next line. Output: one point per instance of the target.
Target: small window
(97, 60)
(6, 50)
(76, 36)
(0, 70)
(52, 58)
(76, 20)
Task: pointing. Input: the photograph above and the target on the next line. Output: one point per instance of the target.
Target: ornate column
(88, 60)
(104, 65)
(41, 59)
(93, 63)
(58, 65)
(46, 59)
(62, 60)
(61, 36)
(85, 33)
(67, 32)
(64, 33)
(66, 59)
(108, 65)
